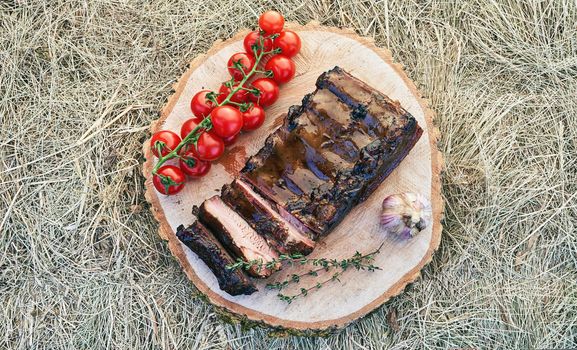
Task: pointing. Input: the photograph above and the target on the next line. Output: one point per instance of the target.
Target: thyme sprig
(358, 262)
(287, 259)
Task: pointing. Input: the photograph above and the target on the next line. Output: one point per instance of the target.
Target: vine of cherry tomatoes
(219, 117)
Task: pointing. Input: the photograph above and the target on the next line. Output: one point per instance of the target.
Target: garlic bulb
(406, 214)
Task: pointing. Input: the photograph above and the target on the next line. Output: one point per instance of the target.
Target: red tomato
(209, 147)
(246, 60)
(191, 165)
(271, 22)
(164, 140)
(253, 38)
(282, 67)
(268, 92)
(230, 140)
(188, 126)
(169, 179)
(200, 105)
(239, 97)
(289, 43)
(253, 118)
(226, 121)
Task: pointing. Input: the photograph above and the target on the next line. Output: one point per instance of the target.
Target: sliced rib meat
(330, 154)
(237, 236)
(278, 232)
(202, 242)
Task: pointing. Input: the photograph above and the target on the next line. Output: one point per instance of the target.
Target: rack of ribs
(330, 154)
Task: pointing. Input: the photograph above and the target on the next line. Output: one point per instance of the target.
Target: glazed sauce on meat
(294, 166)
(326, 139)
(341, 131)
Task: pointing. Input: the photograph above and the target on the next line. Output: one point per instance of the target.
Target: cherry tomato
(246, 60)
(253, 38)
(200, 105)
(230, 140)
(282, 67)
(188, 126)
(289, 43)
(209, 147)
(191, 165)
(253, 118)
(238, 97)
(169, 179)
(165, 140)
(226, 121)
(268, 92)
(271, 22)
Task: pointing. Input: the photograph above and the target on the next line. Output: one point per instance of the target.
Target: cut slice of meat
(278, 232)
(199, 239)
(237, 236)
(332, 152)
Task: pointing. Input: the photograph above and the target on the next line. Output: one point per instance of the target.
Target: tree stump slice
(359, 292)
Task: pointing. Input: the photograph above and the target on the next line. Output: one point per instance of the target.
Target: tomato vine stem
(206, 123)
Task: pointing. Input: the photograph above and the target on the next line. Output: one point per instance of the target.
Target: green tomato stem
(206, 122)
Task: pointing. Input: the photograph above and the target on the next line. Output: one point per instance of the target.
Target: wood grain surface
(358, 293)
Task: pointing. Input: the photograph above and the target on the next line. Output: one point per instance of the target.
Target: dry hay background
(81, 266)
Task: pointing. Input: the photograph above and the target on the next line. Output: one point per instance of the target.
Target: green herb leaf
(190, 162)
(159, 146)
(212, 97)
(357, 260)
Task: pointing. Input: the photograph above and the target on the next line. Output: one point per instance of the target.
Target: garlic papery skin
(406, 214)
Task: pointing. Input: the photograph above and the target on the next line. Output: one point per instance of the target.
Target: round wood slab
(358, 292)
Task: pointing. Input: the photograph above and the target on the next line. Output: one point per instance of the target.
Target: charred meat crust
(202, 243)
(328, 209)
(278, 135)
(383, 130)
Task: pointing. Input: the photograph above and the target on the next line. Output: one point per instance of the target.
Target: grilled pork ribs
(330, 154)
